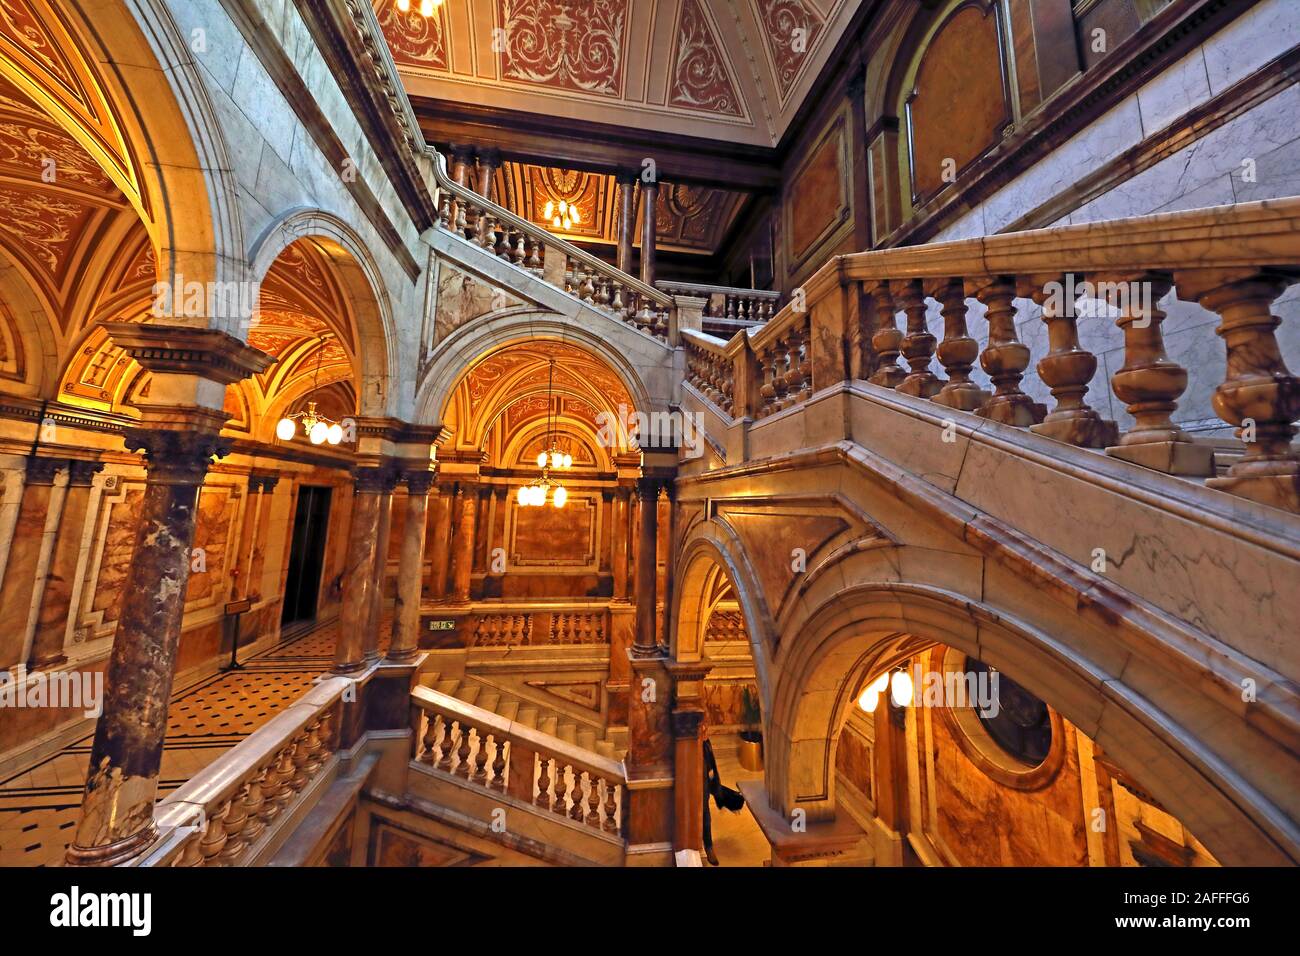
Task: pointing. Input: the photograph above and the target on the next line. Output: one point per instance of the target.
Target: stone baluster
(1005, 358)
(214, 836)
(887, 339)
(534, 261)
(429, 741)
(480, 761)
(1149, 383)
(1067, 368)
(253, 802)
(592, 818)
(918, 345)
(463, 768)
(1259, 396)
(578, 810)
(610, 824)
(444, 209)
(446, 746)
(543, 798)
(957, 351)
(236, 829)
(268, 782)
(498, 781)
(559, 805)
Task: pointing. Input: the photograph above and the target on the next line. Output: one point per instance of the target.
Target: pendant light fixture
(318, 428)
(537, 493)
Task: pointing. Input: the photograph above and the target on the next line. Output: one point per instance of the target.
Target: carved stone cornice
(185, 350)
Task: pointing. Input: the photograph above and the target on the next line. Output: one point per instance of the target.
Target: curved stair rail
(528, 246)
(228, 812)
(1232, 260)
(487, 752)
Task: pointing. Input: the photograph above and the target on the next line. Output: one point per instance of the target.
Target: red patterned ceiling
(724, 69)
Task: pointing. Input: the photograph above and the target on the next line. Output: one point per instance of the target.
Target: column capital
(262, 484)
(374, 479)
(626, 176)
(41, 471)
(419, 482)
(176, 456)
(81, 473)
(649, 486)
(687, 724)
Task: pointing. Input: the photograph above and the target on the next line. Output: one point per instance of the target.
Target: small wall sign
(442, 625)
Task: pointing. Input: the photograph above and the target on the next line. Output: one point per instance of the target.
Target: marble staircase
(606, 742)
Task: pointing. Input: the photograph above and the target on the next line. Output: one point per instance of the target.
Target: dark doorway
(306, 554)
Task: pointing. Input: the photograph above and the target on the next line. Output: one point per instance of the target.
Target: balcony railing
(727, 309)
(513, 624)
(530, 247)
(1232, 260)
(227, 813)
(489, 753)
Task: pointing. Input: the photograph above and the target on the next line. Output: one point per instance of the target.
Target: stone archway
(841, 639)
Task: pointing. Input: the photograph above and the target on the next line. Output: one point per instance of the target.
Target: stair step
(568, 732)
(488, 700)
(617, 737)
(527, 716)
(604, 748)
(586, 739)
(429, 679)
(548, 724)
(447, 686)
(508, 708)
(469, 693)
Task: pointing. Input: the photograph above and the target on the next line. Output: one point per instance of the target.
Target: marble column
(688, 779)
(619, 543)
(18, 588)
(462, 160)
(359, 570)
(126, 756)
(61, 578)
(489, 161)
(465, 509)
(410, 573)
(626, 179)
(650, 197)
(645, 644)
(382, 542)
(439, 542)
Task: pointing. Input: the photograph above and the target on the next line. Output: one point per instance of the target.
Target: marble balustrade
(490, 753)
(1234, 261)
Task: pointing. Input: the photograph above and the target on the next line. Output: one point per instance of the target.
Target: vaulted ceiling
(734, 71)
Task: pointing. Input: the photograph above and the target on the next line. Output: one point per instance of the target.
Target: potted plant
(751, 738)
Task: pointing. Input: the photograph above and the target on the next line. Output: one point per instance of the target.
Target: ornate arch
(843, 638)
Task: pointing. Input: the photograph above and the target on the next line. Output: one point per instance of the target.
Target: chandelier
(537, 493)
(318, 428)
(564, 216)
(426, 6)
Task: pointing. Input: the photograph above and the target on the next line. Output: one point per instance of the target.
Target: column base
(1091, 431)
(1276, 491)
(838, 842)
(113, 853)
(1170, 457)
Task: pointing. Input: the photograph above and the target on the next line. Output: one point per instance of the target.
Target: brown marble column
(410, 573)
(462, 160)
(619, 542)
(19, 585)
(439, 542)
(650, 203)
(383, 536)
(645, 643)
(626, 179)
(122, 783)
(61, 579)
(688, 779)
(465, 509)
(489, 160)
(359, 570)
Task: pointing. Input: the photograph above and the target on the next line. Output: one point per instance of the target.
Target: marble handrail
(1232, 260)
(741, 306)
(218, 817)
(494, 754)
(531, 247)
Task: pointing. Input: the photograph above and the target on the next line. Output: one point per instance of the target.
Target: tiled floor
(38, 807)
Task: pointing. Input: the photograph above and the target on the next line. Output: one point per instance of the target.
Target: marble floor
(737, 840)
(38, 806)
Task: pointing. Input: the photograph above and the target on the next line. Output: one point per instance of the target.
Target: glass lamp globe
(900, 688)
(870, 697)
(334, 434)
(541, 460)
(559, 497)
(285, 429)
(568, 461)
(521, 496)
(319, 433)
